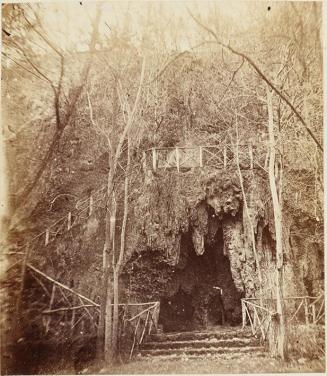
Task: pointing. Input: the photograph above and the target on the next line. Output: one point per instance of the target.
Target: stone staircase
(222, 342)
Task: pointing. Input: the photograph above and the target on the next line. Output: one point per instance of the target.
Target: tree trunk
(247, 212)
(108, 350)
(281, 337)
(103, 331)
(108, 321)
(115, 319)
(121, 255)
(104, 337)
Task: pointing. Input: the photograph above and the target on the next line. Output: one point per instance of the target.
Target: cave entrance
(201, 293)
(176, 313)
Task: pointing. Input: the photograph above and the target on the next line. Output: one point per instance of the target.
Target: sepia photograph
(162, 189)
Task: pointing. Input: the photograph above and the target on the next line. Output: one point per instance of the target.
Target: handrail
(179, 157)
(152, 313)
(141, 313)
(75, 212)
(61, 285)
(318, 298)
(134, 304)
(317, 314)
(192, 147)
(288, 297)
(259, 321)
(260, 316)
(260, 307)
(79, 209)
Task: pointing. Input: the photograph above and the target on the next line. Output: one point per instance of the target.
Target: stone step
(185, 357)
(200, 335)
(201, 351)
(202, 343)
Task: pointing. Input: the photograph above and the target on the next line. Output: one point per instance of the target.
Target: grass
(240, 364)
(307, 341)
(243, 365)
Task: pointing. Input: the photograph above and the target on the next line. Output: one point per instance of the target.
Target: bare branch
(62, 123)
(131, 117)
(23, 67)
(263, 76)
(41, 35)
(95, 124)
(169, 63)
(60, 195)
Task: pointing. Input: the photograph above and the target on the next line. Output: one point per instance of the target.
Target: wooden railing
(64, 310)
(257, 316)
(83, 209)
(143, 323)
(77, 216)
(180, 158)
(218, 156)
(298, 309)
(305, 309)
(317, 309)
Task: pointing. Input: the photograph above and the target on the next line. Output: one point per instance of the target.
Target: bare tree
(116, 138)
(281, 328)
(64, 106)
(263, 76)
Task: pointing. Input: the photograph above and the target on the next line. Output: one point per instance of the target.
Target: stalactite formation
(196, 222)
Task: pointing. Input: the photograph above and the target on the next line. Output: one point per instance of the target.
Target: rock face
(198, 225)
(189, 245)
(196, 222)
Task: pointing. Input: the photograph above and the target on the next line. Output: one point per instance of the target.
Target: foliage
(307, 341)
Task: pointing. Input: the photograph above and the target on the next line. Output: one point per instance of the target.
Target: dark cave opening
(176, 312)
(201, 293)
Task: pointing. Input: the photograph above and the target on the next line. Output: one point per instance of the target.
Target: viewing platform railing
(221, 156)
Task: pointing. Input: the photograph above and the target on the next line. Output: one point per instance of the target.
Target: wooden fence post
(255, 320)
(157, 312)
(144, 161)
(200, 156)
(177, 159)
(47, 236)
(154, 159)
(90, 205)
(225, 157)
(22, 282)
(306, 311)
(266, 161)
(243, 315)
(48, 321)
(72, 321)
(313, 313)
(69, 221)
(251, 156)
